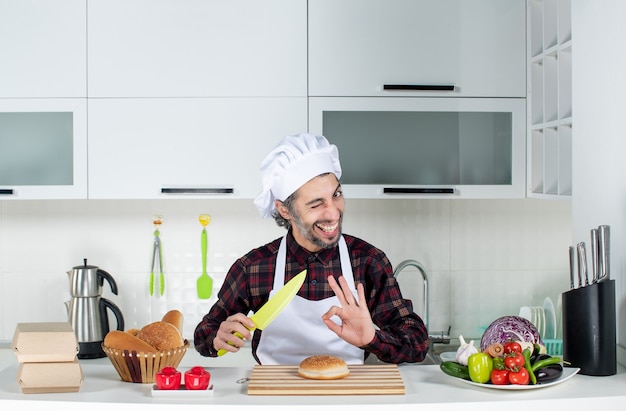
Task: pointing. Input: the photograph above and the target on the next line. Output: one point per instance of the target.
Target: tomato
(512, 346)
(520, 377)
(514, 361)
(500, 377)
(479, 366)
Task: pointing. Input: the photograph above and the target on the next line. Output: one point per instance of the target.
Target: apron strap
(344, 258)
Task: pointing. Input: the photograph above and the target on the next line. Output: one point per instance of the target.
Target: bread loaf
(161, 335)
(175, 318)
(121, 340)
(323, 367)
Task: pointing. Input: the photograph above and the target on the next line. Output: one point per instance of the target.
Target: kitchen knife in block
(270, 310)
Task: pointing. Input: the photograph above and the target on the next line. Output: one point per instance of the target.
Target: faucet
(440, 337)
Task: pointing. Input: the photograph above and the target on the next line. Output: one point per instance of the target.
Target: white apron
(298, 331)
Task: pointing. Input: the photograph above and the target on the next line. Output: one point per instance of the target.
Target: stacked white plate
(550, 319)
(543, 318)
(535, 315)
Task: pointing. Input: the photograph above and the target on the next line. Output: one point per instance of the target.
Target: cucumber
(455, 369)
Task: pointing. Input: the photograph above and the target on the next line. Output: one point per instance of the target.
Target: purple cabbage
(507, 328)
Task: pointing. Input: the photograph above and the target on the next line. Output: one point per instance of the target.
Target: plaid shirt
(402, 335)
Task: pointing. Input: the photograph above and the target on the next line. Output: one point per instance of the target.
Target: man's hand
(226, 338)
(356, 326)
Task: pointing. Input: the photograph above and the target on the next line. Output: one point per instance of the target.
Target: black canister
(589, 335)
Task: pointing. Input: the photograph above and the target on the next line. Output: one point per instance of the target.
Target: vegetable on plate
(519, 377)
(455, 369)
(480, 366)
(510, 328)
(465, 350)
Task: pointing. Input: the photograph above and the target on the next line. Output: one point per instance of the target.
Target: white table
(102, 389)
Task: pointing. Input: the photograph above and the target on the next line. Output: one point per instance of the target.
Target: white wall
(599, 137)
(485, 258)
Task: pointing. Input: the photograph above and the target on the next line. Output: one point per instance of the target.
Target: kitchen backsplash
(484, 258)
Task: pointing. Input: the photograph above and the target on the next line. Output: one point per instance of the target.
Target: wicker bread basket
(141, 367)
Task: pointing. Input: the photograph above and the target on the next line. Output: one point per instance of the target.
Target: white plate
(526, 312)
(448, 356)
(559, 317)
(182, 392)
(548, 308)
(541, 314)
(567, 374)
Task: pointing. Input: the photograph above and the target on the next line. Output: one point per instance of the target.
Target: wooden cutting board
(363, 380)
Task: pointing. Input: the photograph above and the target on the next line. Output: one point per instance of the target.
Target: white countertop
(425, 384)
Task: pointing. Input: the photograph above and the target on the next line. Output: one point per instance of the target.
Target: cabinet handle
(419, 87)
(197, 191)
(6, 191)
(434, 190)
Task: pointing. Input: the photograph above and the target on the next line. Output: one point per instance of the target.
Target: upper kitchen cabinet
(43, 148)
(549, 99)
(452, 48)
(43, 45)
(411, 147)
(197, 48)
(172, 148)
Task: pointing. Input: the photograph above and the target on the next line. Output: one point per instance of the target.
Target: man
(350, 304)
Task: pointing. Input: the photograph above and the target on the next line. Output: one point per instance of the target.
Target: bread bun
(161, 335)
(175, 318)
(133, 331)
(121, 340)
(323, 367)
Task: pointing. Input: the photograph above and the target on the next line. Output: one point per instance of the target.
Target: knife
(270, 310)
(603, 252)
(572, 264)
(582, 264)
(594, 256)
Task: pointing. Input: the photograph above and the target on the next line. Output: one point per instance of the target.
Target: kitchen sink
(432, 358)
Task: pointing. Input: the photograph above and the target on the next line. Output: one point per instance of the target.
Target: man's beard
(308, 231)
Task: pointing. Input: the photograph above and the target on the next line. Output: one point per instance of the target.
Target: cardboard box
(45, 342)
(49, 377)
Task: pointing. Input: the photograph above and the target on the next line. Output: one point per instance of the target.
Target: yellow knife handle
(223, 351)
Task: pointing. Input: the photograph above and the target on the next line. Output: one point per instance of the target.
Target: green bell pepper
(480, 366)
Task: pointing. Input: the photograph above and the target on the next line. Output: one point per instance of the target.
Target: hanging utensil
(204, 284)
(157, 254)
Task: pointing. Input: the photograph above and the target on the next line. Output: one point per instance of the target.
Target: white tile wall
(484, 258)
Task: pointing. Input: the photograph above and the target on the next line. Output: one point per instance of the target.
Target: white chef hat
(293, 162)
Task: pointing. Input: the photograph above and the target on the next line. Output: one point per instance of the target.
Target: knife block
(589, 336)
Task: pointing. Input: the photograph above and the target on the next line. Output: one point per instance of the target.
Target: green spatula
(204, 284)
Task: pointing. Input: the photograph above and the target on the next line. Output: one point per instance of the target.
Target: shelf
(565, 82)
(549, 99)
(550, 23)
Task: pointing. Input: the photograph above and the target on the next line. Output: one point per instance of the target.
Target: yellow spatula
(204, 284)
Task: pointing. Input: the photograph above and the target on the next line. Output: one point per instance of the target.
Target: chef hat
(293, 162)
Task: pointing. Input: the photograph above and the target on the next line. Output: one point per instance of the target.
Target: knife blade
(582, 264)
(594, 256)
(604, 256)
(572, 264)
(270, 310)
